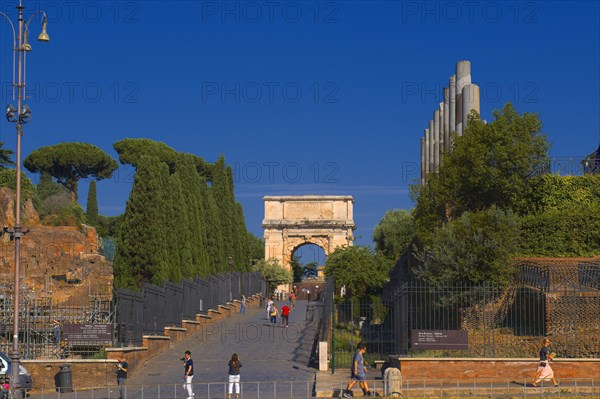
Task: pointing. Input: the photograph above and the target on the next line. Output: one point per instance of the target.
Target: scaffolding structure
(39, 316)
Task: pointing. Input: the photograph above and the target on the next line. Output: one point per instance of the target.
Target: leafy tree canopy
(5, 157)
(310, 269)
(256, 247)
(297, 270)
(476, 247)
(91, 210)
(70, 162)
(131, 150)
(393, 233)
(357, 268)
(490, 164)
(108, 226)
(273, 272)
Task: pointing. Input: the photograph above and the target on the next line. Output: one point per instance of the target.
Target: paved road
(267, 354)
(265, 351)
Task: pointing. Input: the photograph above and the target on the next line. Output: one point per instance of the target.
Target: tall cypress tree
(141, 254)
(222, 195)
(181, 221)
(196, 227)
(216, 240)
(176, 228)
(242, 239)
(91, 212)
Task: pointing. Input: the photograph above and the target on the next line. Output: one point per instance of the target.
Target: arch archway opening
(308, 262)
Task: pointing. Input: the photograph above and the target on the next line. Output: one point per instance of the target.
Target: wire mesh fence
(494, 321)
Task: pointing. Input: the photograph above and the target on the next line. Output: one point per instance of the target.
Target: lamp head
(25, 115)
(26, 45)
(44, 37)
(10, 113)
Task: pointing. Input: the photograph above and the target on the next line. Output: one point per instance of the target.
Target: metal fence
(125, 316)
(150, 310)
(498, 322)
(37, 318)
(566, 166)
(407, 388)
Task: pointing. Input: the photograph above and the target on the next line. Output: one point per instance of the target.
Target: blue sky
(301, 97)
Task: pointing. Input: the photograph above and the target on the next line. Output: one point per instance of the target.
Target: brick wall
(501, 369)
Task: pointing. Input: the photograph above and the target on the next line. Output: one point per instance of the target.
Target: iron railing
(498, 321)
(565, 166)
(407, 388)
(152, 309)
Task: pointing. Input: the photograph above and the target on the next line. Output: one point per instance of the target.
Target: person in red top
(285, 313)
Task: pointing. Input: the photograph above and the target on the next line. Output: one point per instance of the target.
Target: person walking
(285, 314)
(544, 371)
(358, 374)
(234, 376)
(273, 314)
(188, 367)
(122, 367)
(269, 306)
(243, 306)
(56, 333)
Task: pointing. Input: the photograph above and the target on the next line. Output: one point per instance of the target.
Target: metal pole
(18, 233)
(332, 327)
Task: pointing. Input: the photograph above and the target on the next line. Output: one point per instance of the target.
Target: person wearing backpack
(234, 376)
(273, 314)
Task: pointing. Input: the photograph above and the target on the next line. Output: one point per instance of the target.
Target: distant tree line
(181, 219)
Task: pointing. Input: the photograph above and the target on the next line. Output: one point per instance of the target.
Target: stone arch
(294, 244)
(292, 221)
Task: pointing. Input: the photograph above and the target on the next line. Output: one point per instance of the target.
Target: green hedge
(560, 192)
(568, 232)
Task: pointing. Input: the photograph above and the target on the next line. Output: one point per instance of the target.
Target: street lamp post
(21, 115)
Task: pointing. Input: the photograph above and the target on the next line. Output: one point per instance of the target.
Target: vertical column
(427, 153)
(470, 100)
(463, 78)
(436, 137)
(442, 132)
(446, 119)
(452, 99)
(431, 147)
(422, 160)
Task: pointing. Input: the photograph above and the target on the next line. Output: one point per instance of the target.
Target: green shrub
(8, 178)
(562, 192)
(569, 232)
(69, 214)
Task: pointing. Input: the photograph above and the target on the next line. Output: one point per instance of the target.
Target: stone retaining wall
(100, 373)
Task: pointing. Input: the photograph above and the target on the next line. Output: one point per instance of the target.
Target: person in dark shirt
(188, 369)
(121, 375)
(234, 376)
(544, 371)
